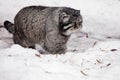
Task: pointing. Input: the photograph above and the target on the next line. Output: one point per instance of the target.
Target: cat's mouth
(78, 23)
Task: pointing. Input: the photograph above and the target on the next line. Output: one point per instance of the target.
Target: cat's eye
(75, 15)
(66, 16)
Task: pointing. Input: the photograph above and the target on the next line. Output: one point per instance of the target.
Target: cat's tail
(9, 26)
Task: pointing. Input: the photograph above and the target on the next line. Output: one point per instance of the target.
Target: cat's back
(29, 17)
(30, 11)
(30, 21)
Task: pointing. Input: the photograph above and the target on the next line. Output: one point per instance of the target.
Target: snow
(93, 53)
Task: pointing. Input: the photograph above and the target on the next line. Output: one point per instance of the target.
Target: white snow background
(93, 53)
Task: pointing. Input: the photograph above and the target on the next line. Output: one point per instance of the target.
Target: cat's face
(70, 21)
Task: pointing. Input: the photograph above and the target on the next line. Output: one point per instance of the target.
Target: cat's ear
(78, 11)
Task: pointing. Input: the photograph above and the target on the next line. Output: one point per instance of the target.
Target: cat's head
(70, 21)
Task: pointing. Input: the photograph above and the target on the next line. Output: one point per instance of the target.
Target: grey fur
(44, 26)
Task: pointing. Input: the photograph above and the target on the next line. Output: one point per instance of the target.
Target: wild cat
(50, 27)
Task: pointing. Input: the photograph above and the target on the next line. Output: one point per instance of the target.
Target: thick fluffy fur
(45, 26)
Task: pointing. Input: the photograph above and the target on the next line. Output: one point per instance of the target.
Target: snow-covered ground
(93, 54)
